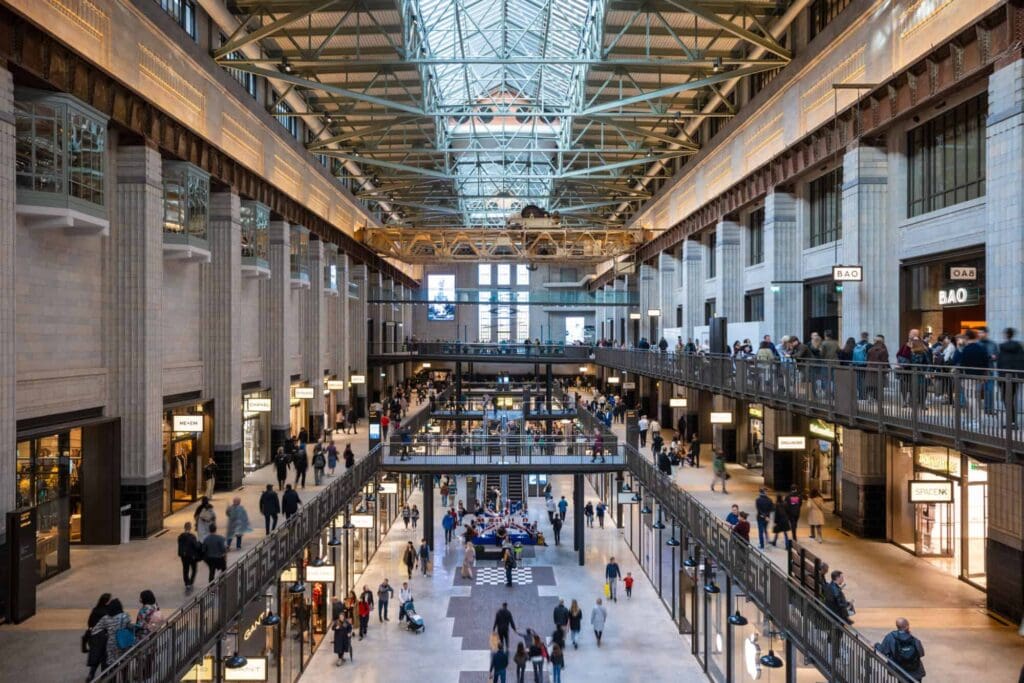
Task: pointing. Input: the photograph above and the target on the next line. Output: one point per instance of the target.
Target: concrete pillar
(341, 337)
(648, 300)
(428, 509)
(275, 293)
(1004, 552)
(310, 319)
(693, 286)
(784, 302)
(8, 374)
(1004, 168)
(668, 271)
(870, 306)
(136, 281)
(223, 323)
(579, 543)
(358, 309)
(729, 268)
(862, 482)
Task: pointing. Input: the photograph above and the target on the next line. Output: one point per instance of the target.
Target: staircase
(516, 488)
(490, 482)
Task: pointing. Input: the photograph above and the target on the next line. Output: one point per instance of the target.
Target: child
(629, 584)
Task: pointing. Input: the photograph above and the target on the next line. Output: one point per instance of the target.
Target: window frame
(755, 237)
(825, 206)
(753, 306)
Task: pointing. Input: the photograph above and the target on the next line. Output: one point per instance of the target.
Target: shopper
(628, 583)
(781, 523)
(210, 477)
(404, 597)
(718, 471)
(815, 515)
(575, 623)
(600, 509)
(149, 618)
(538, 653)
(349, 457)
(384, 594)
(116, 625)
(741, 529)
(642, 426)
(205, 518)
(281, 461)
(342, 630)
(96, 645)
(290, 502)
(301, 462)
(598, 617)
(1011, 360)
(468, 560)
(332, 458)
(414, 515)
(765, 507)
(550, 505)
(563, 507)
(521, 657)
(319, 464)
(588, 513)
(215, 550)
(557, 663)
(556, 526)
(409, 558)
(503, 621)
(508, 561)
(364, 613)
(238, 521)
(499, 665)
(189, 551)
(561, 616)
(904, 648)
(794, 503)
(611, 576)
(835, 597)
(270, 507)
(424, 554)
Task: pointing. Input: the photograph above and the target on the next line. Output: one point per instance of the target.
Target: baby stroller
(413, 621)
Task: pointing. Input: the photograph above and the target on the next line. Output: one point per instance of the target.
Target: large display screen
(441, 294)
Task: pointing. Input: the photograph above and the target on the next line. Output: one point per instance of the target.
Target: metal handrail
(963, 405)
(501, 351)
(190, 631)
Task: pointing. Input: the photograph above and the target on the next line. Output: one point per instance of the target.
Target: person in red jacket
(364, 616)
(742, 527)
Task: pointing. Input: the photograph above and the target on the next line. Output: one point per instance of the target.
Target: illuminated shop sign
(930, 491)
(187, 423)
(721, 418)
(963, 273)
(304, 392)
(257, 405)
(791, 443)
(959, 296)
(677, 402)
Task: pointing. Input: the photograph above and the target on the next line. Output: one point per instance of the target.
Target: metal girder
(262, 32)
(767, 42)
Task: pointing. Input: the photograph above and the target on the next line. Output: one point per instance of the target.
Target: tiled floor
(640, 641)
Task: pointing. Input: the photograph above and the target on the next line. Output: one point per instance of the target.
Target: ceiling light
(771, 661)
(236, 661)
(672, 542)
(738, 619)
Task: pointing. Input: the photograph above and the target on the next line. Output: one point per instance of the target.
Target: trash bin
(126, 523)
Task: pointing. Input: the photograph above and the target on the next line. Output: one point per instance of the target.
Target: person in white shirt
(643, 425)
(404, 597)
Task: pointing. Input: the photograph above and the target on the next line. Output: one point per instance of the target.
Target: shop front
(819, 465)
(188, 448)
(823, 308)
(299, 407)
(256, 429)
(755, 436)
(943, 293)
(938, 508)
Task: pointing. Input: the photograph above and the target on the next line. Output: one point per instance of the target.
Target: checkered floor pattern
(495, 576)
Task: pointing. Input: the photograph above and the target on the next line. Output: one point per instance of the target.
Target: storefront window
(256, 429)
(186, 203)
(60, 150)
(819, 462)
(187, 450)
(943, 294)
(299, 253)
(755, 425)
(255, 224)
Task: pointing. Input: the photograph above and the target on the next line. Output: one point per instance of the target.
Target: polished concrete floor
(640, 642)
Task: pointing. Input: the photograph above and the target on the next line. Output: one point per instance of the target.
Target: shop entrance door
(936, 524)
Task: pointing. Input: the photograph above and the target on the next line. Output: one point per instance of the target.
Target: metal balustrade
(549, 452)
(545, 351)
(841, 653)
(954, 406)
(190, 631)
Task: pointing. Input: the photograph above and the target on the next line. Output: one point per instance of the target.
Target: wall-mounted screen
(441, 294)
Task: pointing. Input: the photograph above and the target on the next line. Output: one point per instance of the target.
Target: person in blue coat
(449, 526)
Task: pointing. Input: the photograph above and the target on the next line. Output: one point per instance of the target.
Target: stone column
(309, 334)
(359, 311)
(275, 293)
(668, 270)
(648, 300)
(784, 302)
(693, 286)
(1004, 552)
(8, 228)
(870, 306)
(863, 483)
(1004, 168)
(136, 281)
(729, 268)
(222, 355)
(342, 336)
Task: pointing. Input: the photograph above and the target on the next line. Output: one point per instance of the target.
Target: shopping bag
(607, 590)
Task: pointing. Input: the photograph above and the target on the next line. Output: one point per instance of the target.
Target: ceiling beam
(269, 29)
(768, 43)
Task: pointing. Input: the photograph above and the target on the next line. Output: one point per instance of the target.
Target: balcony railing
(498, 352)
(964, 406)
(514, 451)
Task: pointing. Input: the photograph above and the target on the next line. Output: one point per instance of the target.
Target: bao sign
(958, 296)
(847, 273)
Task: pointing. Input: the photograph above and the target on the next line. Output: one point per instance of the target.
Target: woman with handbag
(781, 523)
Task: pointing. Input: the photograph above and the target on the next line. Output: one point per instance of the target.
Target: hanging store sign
(255, 669)
(963, 273)
(201, 671)
(357, 379)
(721, 418)
(187, 423)
(654, 312)
(613, 380)
(959, 296)
(629, 385)
(335, 384)
(847, 273)
(388, 487)
(361, 521)
(323, 574)
(677, 402)
(791, 443)
(634, 316)
(930, 491)
(626, 498)
(819, 428)
(257, 405)
(304, 392)
(755, 410)
(289, 575)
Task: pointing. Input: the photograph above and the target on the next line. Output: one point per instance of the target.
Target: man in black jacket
(835, 599)
(270, 506)
(765, 507)
(503, 621)
(1011, 357)
(290, 501)
(189, 551)
(561, 616)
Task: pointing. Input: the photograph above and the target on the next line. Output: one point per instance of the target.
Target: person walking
(281, 461)
(794, 503)
(448, 523)
(215, 550)
(406, 514)
(612, 574)
(509, 562)
(557, 663)
(741, 528)
(189, 551)
(902, 647)
(561, 616)
(563, 507)
(600, 510)
(319, 464)
(1010, 362)
(598, 617)
(204, 517)
(301, 462)
(781, 523)
(116, 626)
(503, 621)
(575, 623)
(332, 458)
(550, 505)
(556, 526)
(351, 420)
(290, 502)
(384, 594)
(718, 471)
(468, 560)
(764, 507)
(210, 477)
(270, 507)
(424, 554)
(342, 629)
(815, 515)
(238, 521)
(520, 658)
(537, 654)
(643, 424)
(149, 618)
(404, 597)
(349, 456)
(588, 514)
(835, 597)
(499, 665)
(364, 613)
(409, 558)
(414, 515)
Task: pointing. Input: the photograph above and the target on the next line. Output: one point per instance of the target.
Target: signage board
(653, 312)
(819, 428)
(847, 273)
(791, 443)
(375, 431)
(629, 385)
(930, 491)
(388, 487)
(959, 296)
(323, 573)
(255, 669)
(252, 634)
(357, 379)
(361, 521)
(755, 410)
(187, 423)
(304, 392)
(335, 384)
(613, 380)
(22, 564)
(634, 316)
(289, 575)
(963, 273)
(721, 418)
(625, 498)
(257, 405)
(677, 402)
(200, 671)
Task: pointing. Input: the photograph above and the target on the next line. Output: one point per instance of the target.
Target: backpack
(860, 354)
(124, 637)
(905, 653)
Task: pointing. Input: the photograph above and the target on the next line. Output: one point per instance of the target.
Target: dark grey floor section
(481, 676)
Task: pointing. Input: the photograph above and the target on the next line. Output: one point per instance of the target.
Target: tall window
(947, 158)
(483, 274)
(522, 274)
(826, 195)
(753, 306)
(522, 316)
(183, 12)
(484, 317)
(755, 237)
(247, 79)
(712, 269)
(282, 110)
(709, 310)
(504, 274)
(822, 12)
(504, 316)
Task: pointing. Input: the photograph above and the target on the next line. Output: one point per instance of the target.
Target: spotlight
(712, 588)
(645, 510)
(659, 525)
(235, 661)
(297, 587)
(672, 542)
(738, 619)
(335, 541)
(690, 562)
(271, 619)
(771, 661)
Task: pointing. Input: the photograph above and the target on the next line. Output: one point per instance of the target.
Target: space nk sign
(930, 491)
(847, 273)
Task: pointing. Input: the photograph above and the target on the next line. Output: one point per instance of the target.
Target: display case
(255, 220)
(299, 257)
(186, 212)
(60, 163)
